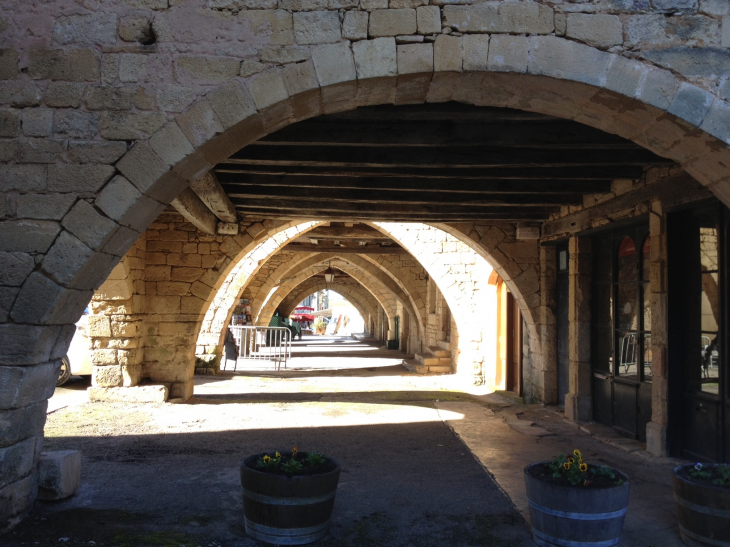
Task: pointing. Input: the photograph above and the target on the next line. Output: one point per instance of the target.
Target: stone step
(428, 359)
(444, 345)
(439, 352)
(441, 369)
(415, 366)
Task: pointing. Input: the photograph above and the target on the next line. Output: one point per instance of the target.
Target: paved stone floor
(413, 451)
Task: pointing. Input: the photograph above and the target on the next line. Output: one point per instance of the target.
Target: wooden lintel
(189, 205)
(672, 191)
(214, 197)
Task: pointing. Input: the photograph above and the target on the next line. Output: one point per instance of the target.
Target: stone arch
(546, 74)
(385, 299)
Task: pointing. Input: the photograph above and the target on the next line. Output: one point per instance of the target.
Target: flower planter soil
(543, 472)
(684, 473)
(328, 465)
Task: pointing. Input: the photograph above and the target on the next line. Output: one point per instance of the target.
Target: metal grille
(262, 344)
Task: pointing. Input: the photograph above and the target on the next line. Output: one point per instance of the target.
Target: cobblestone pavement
(413, 451)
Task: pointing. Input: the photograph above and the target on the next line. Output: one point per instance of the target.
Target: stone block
(37, 122)
(136, 27)
(19, 94)
(99, 326)
(428, 19)
(200, 123)
(231, 104)
(21, 386)
(88, 225)
(42, 301)
(80, 179)
(625, 75)
(676, 6)
(8, 152)
(105, 97)
(130, 126)
(17, 461)
(375, 58)
(207, 70)
(658, 88)
(96, 151)
(72, 264)
(148, 4)
(333, 63)
(8, 64)
(73, 124)
(155, 394)
(392, 22)
(717, 120)
(317, 27)
(14, 268)
(560, 58)
(725, 38)
(59, 474)
(299, 77)
(74, 65)
(105, 372)
(9, 122)
(526, 18)
(274, 25)
(691, 103)
(34, 150)
(97, 28)
(109, 68)
(21, 423)
(16, 499)
(476, 51)
(44, 206)
(447, 54)
(508, 53)
(122, 202)
(64, 94)
(415, 58)
(171, 144)
(131, 375)
(28, 236)
(143, 168)
(267, 89)
(355, 25)
(596, 30)
(132, 67)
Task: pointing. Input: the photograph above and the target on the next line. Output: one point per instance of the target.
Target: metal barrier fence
(262, 344)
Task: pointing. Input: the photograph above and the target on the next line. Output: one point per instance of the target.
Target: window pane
(647, 357)
(647, 306)
(708, 248)
(628, 351)
(627, 261)
(710, 360)
(710, 302)
(627, 313)
(563, 261)
(646, 259)
(604, 265)
(603, 356)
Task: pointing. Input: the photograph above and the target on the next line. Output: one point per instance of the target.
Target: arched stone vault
(64, 258)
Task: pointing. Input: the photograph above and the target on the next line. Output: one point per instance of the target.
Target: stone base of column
(579, 408)
(656, 439)
(155, 393)
(16, 499)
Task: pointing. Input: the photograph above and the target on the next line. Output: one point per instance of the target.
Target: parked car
(78, 359)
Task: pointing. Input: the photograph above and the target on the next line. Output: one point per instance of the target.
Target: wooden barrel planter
(703, 511)
(286, 510)
(570, 516)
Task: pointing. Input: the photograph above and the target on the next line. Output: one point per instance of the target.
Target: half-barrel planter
(575, 516)
(703, 510)
(288, 510)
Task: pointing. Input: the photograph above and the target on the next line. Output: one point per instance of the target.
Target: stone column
(547, 377)
(656, 430)
(579, 403)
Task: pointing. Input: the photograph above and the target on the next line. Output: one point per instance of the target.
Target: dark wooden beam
(236, 182)
(450, 111)
(532, 134)
(369, 250)
(518, 172)
(296, 213)
(414, 156)
(359, 231)
(333, 196)
(672, 192)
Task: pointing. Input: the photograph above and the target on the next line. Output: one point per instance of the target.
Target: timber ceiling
(428, 163)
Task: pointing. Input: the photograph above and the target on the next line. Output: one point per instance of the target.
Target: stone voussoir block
(415, 58)
(375, 58)
(59, 474)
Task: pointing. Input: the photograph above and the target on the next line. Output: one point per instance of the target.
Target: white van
(78, 359)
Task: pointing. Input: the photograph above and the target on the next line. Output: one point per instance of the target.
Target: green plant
(290, 464)
(313, 459)
(267, 462)
(719, 474)
(578, 472)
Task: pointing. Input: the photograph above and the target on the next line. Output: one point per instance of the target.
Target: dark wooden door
(697, 255)
(514, 346)
(562, 296)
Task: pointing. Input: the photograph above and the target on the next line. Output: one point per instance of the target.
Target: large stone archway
(92, 213)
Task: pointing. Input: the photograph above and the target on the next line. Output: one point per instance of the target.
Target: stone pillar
(547, 376)
(656, 429)
(578, 403)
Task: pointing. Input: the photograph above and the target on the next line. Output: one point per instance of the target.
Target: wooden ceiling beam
(296, 213)
(234, 183)
(518, 172)
(369, 250)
